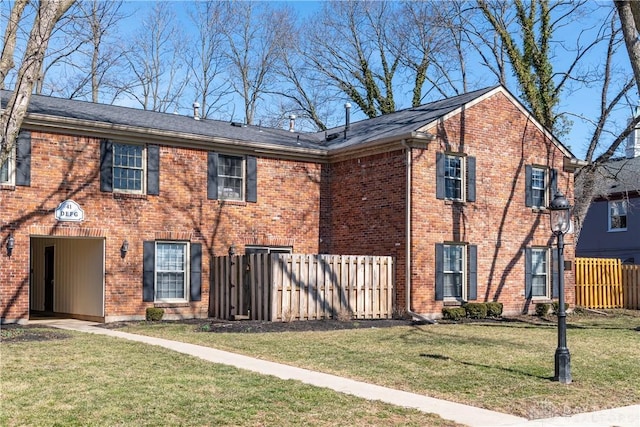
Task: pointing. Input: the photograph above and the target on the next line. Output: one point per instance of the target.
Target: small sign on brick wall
(69, 211)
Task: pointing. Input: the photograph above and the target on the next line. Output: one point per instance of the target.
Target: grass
(58, 378)
(503, 366)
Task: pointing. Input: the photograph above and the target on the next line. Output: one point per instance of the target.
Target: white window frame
(11, 168)
(185, 271)
(544, 272)
(228, 195)
(619, 205)
(544, 189)
(461, 178)
(447, 272)
(268, 249)
(142, 168)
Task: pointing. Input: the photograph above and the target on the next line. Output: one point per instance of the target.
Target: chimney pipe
(196, 113)
(292, 123)
(347, 118)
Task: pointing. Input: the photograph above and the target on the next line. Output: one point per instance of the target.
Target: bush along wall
(473, 310)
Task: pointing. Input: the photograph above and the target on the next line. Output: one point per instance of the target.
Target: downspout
(407, 263)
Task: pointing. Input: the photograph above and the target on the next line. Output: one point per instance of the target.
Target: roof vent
(196, 112)
(347, 118)
(292, 123)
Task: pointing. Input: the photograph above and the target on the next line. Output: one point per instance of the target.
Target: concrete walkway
(469, 415)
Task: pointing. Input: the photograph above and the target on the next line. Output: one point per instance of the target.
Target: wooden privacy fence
(285, 287)
(606, 283)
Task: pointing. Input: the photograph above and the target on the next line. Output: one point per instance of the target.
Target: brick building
(111, 210)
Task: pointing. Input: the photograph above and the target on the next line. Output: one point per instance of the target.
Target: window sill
(171, 304)
(232, 202)
(617, 230)
(455, 202)
(7, 187)
(452, 303)
(539, 209)
(117, 195)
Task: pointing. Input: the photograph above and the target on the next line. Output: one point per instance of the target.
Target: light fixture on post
(560, 216)
(124, 248)
(232, 250)
(11, 242)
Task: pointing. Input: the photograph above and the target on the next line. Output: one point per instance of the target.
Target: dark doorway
(48, 278)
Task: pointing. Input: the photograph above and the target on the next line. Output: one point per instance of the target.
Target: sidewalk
(469, 415)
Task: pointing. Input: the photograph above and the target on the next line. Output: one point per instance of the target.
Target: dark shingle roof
(386, 127)
(401, 122)
(620, 176)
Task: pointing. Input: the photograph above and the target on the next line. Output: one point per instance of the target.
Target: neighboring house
(113, 210)
(611, 228)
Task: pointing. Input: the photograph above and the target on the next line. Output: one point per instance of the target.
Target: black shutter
(439, 272)
(23, 159)
(106, 166)
(149, 273)
(471, 179)
(554, 273)
(212, 176)
(528, 277)
(195, 275)
(153, 170)
(252, 179)
(528, 193)
(553, 183)
(440, 190)
(473, 273)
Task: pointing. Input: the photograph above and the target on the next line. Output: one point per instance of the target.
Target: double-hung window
(171, 271)
(6, 170)
(618, 215)
(456, 272)
(540, 272)
(128, 168)
(541, 186)
(453, 271)
(230, 177)
(453, 173)
(16, 169)
(455, 177)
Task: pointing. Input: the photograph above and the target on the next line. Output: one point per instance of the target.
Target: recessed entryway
(67, 277)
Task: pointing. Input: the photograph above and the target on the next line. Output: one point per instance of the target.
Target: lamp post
(560, 216)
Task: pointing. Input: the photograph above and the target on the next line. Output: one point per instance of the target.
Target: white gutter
(407, 263)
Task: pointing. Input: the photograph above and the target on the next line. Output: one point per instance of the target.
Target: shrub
(154, 314)
(494, 309)
(556, 307)
(453, 313)
(542, 309)
(476, 310)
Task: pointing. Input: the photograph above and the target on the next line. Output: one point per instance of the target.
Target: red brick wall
(368, 210)
(67, 167)
(368, 205)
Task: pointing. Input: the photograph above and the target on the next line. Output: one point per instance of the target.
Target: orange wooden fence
(603, 283)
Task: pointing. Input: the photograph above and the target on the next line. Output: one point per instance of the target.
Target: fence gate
(285, 287)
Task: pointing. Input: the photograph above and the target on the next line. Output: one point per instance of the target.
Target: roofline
(414, 139)
(59, 124)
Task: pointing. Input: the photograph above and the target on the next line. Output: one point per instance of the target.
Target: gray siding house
(611, 227)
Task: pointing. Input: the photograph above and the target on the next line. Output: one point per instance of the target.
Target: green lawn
(503, 366)
(59, 378)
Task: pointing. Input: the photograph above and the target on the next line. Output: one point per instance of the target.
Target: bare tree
(48, 14)
(10, 38)
(629, 14)
(253, 31)
(157, 72)
(205, 57)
